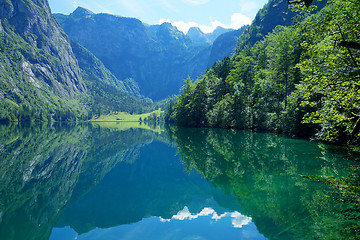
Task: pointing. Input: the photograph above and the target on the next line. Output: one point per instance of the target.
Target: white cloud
(237, 219)
(195, 2)
(237, 21)
(185, 214)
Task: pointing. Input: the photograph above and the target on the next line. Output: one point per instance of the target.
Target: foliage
(331, 72)
(248, 91)
(302, 80)
(127, 117)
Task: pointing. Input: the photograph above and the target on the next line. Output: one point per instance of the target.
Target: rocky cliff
(47, 60)
(39, 74)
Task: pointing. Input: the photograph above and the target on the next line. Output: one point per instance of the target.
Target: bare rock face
(50, 64)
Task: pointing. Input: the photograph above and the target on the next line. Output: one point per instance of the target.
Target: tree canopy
(302, 80)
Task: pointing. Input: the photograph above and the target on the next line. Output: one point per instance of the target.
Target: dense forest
(302, 80)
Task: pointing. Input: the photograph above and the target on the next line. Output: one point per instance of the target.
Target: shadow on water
(99, 176)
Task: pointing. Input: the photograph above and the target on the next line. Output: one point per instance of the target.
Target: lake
(131, 181)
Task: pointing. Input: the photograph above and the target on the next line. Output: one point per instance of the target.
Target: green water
(88, 181)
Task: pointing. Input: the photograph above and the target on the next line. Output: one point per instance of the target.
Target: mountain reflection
(43, 168)
(92, 180)
(153, 185)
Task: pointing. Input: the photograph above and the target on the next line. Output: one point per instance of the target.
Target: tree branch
(344, 41)
(350, 44)
(306, 2)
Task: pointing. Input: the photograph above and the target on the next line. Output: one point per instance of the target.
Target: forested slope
(302, 80)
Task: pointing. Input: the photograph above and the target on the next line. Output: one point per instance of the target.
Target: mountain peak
(197, 36)
(81, 12)
(219, 28)
(195, 30)
(166, 25)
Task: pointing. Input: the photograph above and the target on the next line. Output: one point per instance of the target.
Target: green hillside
(302, 80)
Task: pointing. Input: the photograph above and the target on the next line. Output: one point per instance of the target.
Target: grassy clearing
(123, 126)
(124, 117)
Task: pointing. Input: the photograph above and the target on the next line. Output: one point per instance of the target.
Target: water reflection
(237, 219)
(43, 168)
(264, 172)
(156, 184)
(113, 181)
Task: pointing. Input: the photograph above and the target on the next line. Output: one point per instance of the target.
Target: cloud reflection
(237, 219)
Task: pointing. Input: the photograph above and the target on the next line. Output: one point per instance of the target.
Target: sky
(205, 14)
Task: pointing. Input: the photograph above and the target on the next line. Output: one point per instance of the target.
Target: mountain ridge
(157, 57)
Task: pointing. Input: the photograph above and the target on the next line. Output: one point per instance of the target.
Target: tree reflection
(265, 172)
(52, 175)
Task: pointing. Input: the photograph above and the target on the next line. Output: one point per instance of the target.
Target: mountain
(44, 76)
(157, 57)
(197, 36)
(106, 92)
(154, 56)
(217, 33)
(224, 45)
(38, 68)
(274, 13)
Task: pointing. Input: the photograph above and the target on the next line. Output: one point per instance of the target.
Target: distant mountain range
(157, 57)
(197, 36)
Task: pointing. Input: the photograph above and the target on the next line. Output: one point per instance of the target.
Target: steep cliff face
(34, 25)
(224, 46)
(274, 13)
(157, 57)
(197, 36)
(39, 74)
(43, 76)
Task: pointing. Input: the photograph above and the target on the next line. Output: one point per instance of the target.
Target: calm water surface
(122, 181)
